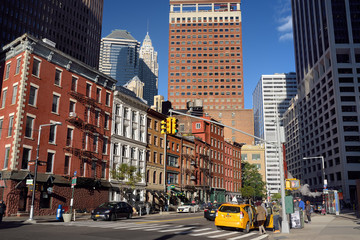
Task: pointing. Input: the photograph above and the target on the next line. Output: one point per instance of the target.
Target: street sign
(75, 173)
(29, 181)
(73, 181)
(50, 190)
(172, 187)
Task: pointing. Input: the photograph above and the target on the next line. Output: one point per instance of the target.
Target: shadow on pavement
(11, 224)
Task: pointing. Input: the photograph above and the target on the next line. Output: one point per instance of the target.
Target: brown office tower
(73, 25)
(205, 54)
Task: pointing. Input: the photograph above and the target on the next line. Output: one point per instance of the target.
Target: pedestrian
(147, 208)
(260, 218)
(2, 209)
(276, 216)
(308, 211)
(301, 204)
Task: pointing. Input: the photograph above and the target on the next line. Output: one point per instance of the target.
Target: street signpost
(73, 184)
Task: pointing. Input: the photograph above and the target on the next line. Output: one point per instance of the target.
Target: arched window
(160, 178)
(147, 175)
(154, 177)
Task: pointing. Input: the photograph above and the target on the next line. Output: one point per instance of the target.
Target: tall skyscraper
(205, 54)
(271, 98)
(74, 25)
(119, 56)
(149, 70)
(327, 54)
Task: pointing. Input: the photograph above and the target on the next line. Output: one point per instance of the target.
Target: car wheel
(219, 228)
(129, 216)
(94, 219)
(112, 217)
(247, 228)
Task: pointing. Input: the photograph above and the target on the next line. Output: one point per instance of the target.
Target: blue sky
(266, 29)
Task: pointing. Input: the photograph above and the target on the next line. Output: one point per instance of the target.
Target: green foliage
(252, 184)
(276, 197)
(127, 175)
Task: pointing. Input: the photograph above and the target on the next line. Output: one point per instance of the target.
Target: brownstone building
(205, 54)
(41, 85)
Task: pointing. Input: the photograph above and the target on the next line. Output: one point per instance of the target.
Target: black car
(211, 210)
(112, 211)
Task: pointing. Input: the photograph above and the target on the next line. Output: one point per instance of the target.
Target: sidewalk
(78, 217)
(321, 226)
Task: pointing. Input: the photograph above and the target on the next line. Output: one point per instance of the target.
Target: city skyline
(270, 34)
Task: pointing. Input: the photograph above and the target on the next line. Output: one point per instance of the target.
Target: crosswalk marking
(222, 235)
(261, 237)
(242, 236)
(176, 229)
(205, 233)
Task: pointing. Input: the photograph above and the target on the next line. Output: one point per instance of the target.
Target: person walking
(260, 218)
(2, 209)
(308, 211)
(276, 216)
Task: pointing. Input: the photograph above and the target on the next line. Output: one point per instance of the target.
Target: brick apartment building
(42, 85)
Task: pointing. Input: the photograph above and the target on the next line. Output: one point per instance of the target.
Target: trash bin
(59, 213)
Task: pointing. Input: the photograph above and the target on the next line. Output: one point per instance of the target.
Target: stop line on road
(194, 230)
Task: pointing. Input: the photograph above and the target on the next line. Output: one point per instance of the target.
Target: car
(188, 207)
(211, 210)
(240, 216)
(112, 211)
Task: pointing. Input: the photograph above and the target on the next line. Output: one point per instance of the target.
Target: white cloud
(287, 24)
(286, 36)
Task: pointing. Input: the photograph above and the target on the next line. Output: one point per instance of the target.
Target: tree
(127, 176)
(252, 184)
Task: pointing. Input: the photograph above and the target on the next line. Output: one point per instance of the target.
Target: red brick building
(232, 169)
(42, 85)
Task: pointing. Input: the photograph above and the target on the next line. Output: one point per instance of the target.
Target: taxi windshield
(229, 209)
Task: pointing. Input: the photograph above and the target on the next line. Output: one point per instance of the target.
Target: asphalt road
(175, 227)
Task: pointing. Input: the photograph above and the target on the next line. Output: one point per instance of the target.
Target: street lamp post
(31, 218)
(322, 165)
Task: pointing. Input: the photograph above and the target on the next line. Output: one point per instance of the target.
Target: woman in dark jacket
(308, 211)
(2, 209)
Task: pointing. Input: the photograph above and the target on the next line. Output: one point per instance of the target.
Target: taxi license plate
(181, 210)
(97, 215)
(212, 211)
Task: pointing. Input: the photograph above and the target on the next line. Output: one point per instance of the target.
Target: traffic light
(174, 126)
(168, 125)
(163, 127)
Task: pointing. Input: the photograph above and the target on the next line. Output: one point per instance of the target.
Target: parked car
(211, 210)
(239, 216)
(112, 211)
(188, 207)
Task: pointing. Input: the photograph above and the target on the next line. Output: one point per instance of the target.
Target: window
(93, 169)
(29, 126)
(106, 123)
(172, 178)
(172, 161)
(95, 143)
(55, 104)
(198, 125)
(160, 178)
(97, 117)
(52, 134)
(88, 90)
(7, 155)
(69, 136)
(73, 84)
(103, 169)
(255, 156)
(72, 107)
(49, 162)
(3, 98)
(18, 63)
(1, 125)
(155, 157)
(98, 95)
(107, 101)
(66, 165)
(25, 158)
(104, 149)
(11, 121)
(14, 93)
(244, 157)
(7, 71)
(154, 177)
(32, 95)
(57, 77)
(36, 67)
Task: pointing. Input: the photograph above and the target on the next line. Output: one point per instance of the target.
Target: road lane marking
(205, 233)
(170, 220)
(222, 235)
(242, 236)
(152, 228)
(261, 237)
(136, 227)
(175, 229)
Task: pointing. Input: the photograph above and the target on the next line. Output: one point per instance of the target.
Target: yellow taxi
(241, 216)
